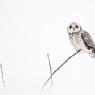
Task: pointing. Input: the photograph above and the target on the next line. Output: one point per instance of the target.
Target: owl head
(73, 27)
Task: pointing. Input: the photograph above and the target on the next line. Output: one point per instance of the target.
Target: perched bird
(81, 39)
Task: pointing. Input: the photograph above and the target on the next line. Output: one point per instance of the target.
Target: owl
(81, 39)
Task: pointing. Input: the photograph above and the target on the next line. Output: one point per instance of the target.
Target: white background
(29, 29)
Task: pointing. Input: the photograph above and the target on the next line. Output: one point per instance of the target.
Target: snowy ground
(29, 29)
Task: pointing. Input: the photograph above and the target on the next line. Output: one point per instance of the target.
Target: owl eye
(76, 26)
(70, 26)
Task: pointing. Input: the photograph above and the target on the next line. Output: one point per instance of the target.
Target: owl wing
(88, 42)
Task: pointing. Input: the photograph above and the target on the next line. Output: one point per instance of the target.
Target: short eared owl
(81, 39)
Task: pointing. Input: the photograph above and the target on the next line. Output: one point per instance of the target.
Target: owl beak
(74, 29)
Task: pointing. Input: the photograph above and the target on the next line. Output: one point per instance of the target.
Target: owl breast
(77, 42)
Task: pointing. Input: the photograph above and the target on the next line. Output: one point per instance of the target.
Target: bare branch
(2, 75)
(60, 67)
(50, 69)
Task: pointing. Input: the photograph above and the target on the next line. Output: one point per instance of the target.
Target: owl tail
(92, 54)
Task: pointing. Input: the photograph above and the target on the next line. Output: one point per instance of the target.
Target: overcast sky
(29, 29)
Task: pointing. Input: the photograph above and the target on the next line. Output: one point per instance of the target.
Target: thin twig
(60, 67)
(50, 69)
(2, 75)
